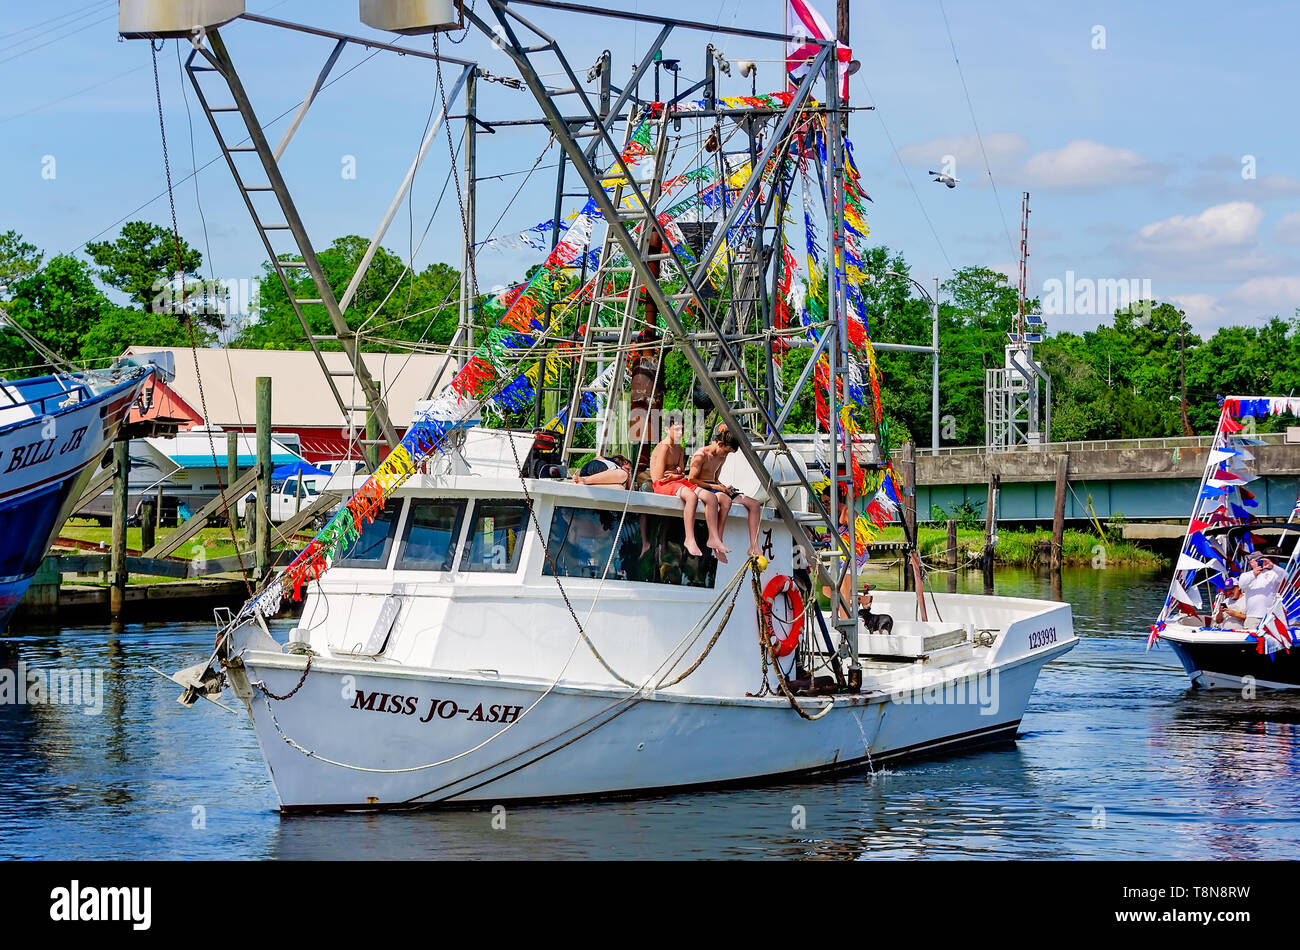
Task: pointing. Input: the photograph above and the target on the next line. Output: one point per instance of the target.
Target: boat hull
(353, 737)
(45, 463)
(1222, 662)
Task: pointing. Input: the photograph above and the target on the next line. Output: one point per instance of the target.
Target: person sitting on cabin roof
(613, 470)
(872, 622)
(667, 469)
(706, 466)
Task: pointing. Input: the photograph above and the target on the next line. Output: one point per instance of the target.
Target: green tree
(123, 327)
(391, 303)
(18, 259)
(59, 304)
(142, 261)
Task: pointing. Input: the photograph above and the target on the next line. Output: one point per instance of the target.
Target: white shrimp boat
(466, 681)
(474, 634)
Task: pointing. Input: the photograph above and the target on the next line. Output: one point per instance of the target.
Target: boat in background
(53, 431)
(1224, 644)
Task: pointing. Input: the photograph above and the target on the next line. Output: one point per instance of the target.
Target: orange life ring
(783, 643)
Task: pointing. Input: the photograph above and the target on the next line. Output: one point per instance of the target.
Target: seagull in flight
(948, 180)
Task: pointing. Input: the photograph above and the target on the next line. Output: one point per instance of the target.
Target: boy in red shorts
(668, 473)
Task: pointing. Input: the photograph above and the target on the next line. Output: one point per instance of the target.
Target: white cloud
(1202, 310)
(1281, 294)
(1249, 303)
(1287, 231)
(1087, 164)
(1227, 225)
(965, 150)
(1276, 186)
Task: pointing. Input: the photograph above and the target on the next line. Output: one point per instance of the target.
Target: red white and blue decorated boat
(1232, 614)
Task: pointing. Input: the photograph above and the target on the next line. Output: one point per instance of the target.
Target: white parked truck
(288, 497)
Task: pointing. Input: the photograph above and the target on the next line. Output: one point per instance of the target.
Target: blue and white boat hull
(52, 434)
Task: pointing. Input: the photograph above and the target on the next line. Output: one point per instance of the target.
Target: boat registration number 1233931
(1041, 638)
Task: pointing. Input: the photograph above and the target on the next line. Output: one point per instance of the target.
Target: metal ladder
(594, 353)
(763, 450)
(218, 63)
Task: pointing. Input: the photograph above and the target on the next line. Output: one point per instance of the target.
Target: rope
(764, 638)
(188, 321)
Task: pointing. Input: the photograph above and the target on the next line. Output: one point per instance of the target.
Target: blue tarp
(296, 469)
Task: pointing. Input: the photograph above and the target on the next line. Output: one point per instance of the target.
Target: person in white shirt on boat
(1260, 585)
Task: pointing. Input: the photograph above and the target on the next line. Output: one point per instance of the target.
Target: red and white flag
(1274, 633)
(806, 24)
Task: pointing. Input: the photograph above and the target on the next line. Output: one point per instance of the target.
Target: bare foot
(693, 548)
(720, 552)
(755, 551)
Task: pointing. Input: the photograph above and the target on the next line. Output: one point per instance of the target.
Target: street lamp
(934, 352)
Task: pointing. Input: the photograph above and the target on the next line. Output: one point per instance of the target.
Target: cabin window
(648, 548)
(496, 536)
(376, 541)
(432, 533)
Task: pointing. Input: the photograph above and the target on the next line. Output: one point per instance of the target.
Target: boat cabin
(438, 578)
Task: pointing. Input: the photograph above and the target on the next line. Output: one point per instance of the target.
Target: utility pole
(934, 366)
(1182, 377)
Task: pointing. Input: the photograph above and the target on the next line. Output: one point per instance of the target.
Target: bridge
(1141, 479)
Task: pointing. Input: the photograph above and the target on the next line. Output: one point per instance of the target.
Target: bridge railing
(1103, 445)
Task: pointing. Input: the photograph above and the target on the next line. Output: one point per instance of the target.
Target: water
(1118, 758)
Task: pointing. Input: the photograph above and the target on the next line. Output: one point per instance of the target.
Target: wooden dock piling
(990, 529)
(232, 473)
(1058, 516)
(148, 523)
(117, 564)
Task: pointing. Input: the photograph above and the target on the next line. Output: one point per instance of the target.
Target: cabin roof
(300, 393)
(559, 491)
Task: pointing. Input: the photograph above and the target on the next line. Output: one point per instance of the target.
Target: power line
(216, 158)
(903, 167)
(71, 15)
(61, 36)
(980, 138)
(54, 102)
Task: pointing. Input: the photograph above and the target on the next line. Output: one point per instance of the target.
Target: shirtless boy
(668, 473)
(706, 466)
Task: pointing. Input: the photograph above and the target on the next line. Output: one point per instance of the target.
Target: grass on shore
(215, 541)
(1025, 548)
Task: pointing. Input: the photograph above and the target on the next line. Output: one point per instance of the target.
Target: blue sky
(1133, 153)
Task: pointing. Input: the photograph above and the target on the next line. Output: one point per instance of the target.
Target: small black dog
(873, 623)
